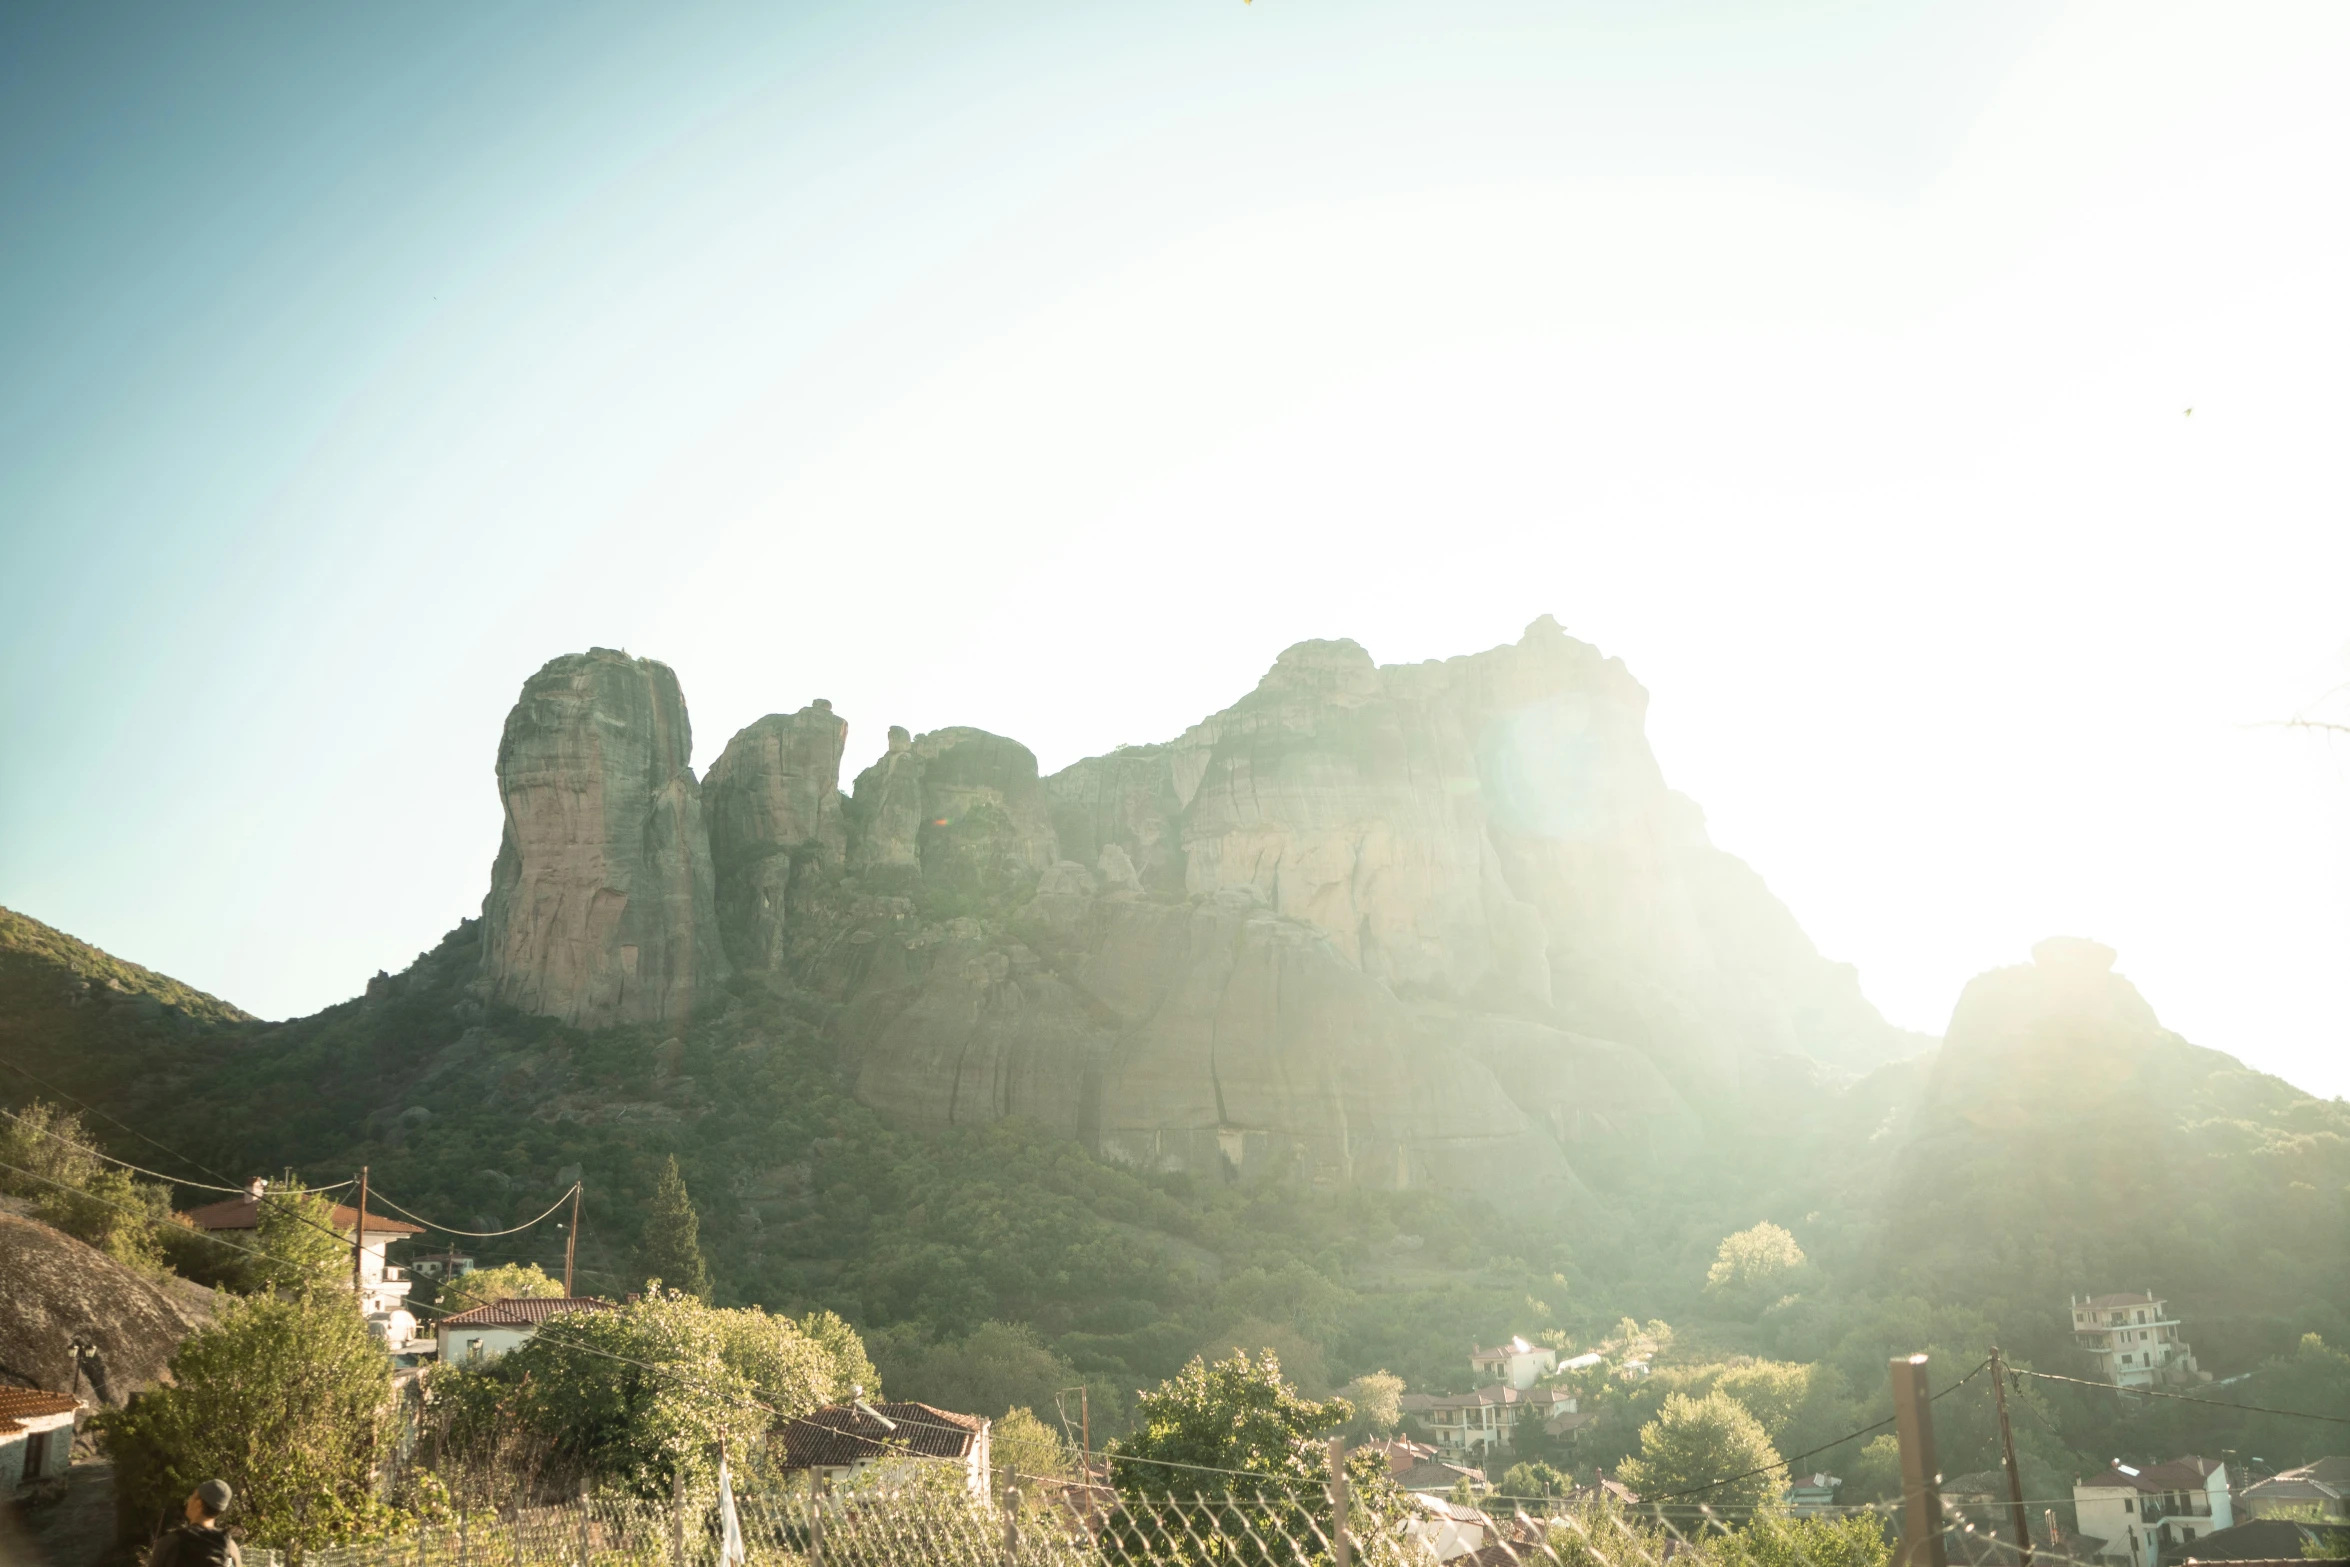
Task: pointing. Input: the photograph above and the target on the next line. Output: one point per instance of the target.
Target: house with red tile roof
(486, 1332)
(383, 1289)
(36, 1434)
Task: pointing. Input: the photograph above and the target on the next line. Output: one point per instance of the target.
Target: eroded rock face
(1435, 925)
(1493, 831)
(601, 905)
(775, 813)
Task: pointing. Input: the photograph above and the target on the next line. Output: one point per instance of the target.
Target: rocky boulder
(775, 813)
(601, 907)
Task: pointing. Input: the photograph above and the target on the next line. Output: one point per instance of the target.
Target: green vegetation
(506, 1281)
(1710, 1444)
(288, 1399)
(636, 1396)
(673, 1237)
(47, 1158)
(1239, 1417)
(991, 1267)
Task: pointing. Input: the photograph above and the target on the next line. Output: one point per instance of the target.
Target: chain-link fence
(1057, 1523)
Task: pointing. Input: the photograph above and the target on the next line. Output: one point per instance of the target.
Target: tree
(507, 1281)
(1026, 1451)
(1536, 1479)
(852, 1368)
(635, 1395)
(673, 1237)
(1701, 1443)
(1377, 1397)
(299, 1249)
(1751, 1268)
(288, 1399)
(73, 1188)
(1235, 1429)
(1772, 1539)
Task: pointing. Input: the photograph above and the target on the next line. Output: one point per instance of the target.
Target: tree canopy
(288, 1399)
(1697, 1443)
(673, 1237)
(507, 1281)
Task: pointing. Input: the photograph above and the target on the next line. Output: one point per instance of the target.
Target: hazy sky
(1051, 367)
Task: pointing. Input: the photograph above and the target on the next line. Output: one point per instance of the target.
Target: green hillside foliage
(1933, 1205)
(43, 970)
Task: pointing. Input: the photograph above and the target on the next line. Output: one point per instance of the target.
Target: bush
(288, 1399)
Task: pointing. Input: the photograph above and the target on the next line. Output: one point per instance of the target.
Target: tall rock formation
(1436, 924)
(775, 815)
(601, 906)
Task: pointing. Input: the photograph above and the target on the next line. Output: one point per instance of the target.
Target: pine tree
(673, 1238)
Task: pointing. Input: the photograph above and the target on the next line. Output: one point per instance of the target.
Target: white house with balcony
(2137, 1511)
(383, 1288)
(2132, 1340)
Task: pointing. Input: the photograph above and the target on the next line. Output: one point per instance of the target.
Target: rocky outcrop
(601, 906)
(56, 1292)
(775, 812)
(1491, 830)
(959, 812)
(1436, 924)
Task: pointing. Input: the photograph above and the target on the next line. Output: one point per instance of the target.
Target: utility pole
(2015, 1478)
(1341, 1544)
(1921, 1478)
(571, 1240)
(359, 1243)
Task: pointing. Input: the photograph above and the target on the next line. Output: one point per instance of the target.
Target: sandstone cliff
(601, 906)
(1434, 924)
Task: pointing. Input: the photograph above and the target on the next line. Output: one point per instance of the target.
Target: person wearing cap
(200, 1542)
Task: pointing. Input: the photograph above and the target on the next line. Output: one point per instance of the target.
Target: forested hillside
(1941, 1203)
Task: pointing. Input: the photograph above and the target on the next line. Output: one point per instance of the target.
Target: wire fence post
(1011, 1525)
(1341, 1547)
(587, 1541)
(677, 1517)
(1921, 1477)
(815, 1522)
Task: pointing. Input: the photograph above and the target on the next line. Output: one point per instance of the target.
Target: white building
(1517, 1362)
(450, 1264)
(36, 1435)
(471, 1337)
(2137, 1511)
(383, 1289)
(2132, 1341)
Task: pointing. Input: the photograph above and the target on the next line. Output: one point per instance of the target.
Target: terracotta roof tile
(244, 1213)
(18, 1402)
(524, 1311)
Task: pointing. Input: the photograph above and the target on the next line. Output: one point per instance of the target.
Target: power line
(479, 1235)
(134, 1131)
(1814, 1453)
(2208, 1403)
(153, 1175)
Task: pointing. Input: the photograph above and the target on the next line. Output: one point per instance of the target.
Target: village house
(2319, 1491)
(843, 1440)
(450, 1264)
(2138, 1511)
(2132, 1340)
(1446, 1530)
(36, 1435)
(383, 1289)
(1415, 1466)
(486, 1332)
(1811, 1494)
(1493, 1415)
(1517, 1362)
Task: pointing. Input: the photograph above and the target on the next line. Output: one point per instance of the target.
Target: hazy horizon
(1050, 370)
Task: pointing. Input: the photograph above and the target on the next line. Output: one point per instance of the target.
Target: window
(2129, 1506)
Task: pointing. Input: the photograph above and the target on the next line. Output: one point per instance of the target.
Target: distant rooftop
(524, 1311)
